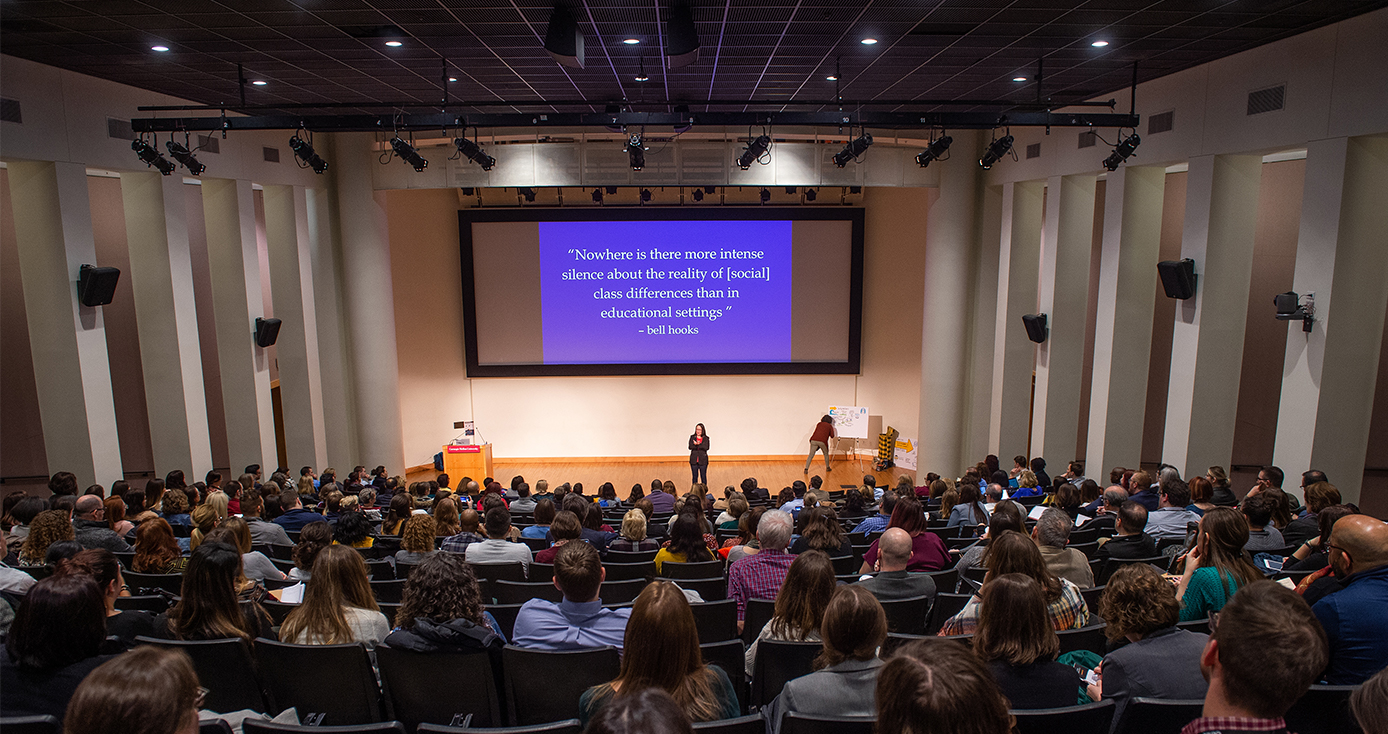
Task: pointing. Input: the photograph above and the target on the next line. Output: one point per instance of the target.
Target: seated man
(262, 532)
(884, 515)
(468, 520)
(496, 549)
(760, 576)
(1262, 536)
(1170, 518)
(1131, 541)
(579, 620)
(1143, 491)
(1052, 536)
(294, 517)
(1353, 616)
(1265, 653)
(892, 580)
(89, 522)
(1109, 504)
(523, 503)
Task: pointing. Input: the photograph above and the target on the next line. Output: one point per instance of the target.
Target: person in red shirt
(819, 441)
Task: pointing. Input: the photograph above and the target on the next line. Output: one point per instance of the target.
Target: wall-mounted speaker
(1036, 326)
(96, 286)
(266, 332)
(1177, 278)
(682, 46)
(563, 39)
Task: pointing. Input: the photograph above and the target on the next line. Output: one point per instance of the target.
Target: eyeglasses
(1329, 545)
(201, 697)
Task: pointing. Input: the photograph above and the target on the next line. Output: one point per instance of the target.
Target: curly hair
(417, 536)
(48, 527)
(1138, 601)
(155, 547)
(352, 528)
(441, 588)
(313, 537)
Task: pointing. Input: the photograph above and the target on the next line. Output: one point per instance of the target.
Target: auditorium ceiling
(766, 52)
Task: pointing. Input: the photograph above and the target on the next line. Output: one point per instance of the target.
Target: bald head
(1363, 539)
(895, 549)
(86, 506)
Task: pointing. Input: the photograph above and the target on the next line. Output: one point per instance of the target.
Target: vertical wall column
(332, 346)
(161, 276)
(950, 232)
(1014, 355)
(72, 374)
(1323, 417)
(1123, 326)
(291, 286)
(978, 379)
(236, 302)
(370, 306)
(1202, 396)
(1064, 298)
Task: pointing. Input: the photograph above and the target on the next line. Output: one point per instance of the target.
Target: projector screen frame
(852, 365)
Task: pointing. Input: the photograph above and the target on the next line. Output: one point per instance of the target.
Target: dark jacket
(698, 455)
(97, 534)
(1301, 529)
(1043, 684)
(41, 693)
(458, 635)
(1353, 622)
(1164, 664)
(890, 585)
(1148, 498)
(1128, 546)
(296, 519)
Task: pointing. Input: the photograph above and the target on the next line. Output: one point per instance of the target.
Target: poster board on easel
(849, 421)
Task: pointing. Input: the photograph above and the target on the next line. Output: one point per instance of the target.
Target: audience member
(47, 528)
(927, 550)
(175, 507)
(667, 657)
(338, 606)
(879, 522)
(686, 543)
(156, 550)
(579, 620)
(845, 680)
(822, 532)
(1015, 638)
(939, 687)
(1369, 704)
(1201, 494)
(115, 517)
(970, 510)
(255, 565)
(441, 610)
(52, 645)
(312, 540)
(1264, 654)
(564, 530)
(1012, 552)
(90, 526)
(1353, 617)
(893, 581)
(446, 518)
(262, 531)
(800, 604)
(1007, 515)
(649, 711)
(1144, 491)
(632, 537)
(105, 570)
(760, 576)
(204, 520)
(401, 507)
(147, 691)
(416, 539)
(1131, 540)
(1027, 485)
(1169, 520)
(544, 515)
(353, 529)
(1216, 566)
(661, 500)
(1052, 537)
(1107, 515)
(1262, 536)
(293, 516)
(468, 524)
(1223, 494)
(1319, 495)
(1160, 660)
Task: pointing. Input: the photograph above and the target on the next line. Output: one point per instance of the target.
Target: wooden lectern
(467, 461)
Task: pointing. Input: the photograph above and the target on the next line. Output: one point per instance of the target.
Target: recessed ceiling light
(868, 41)
(1019, 78)
(642, 77)
(452, 78)
(631, 41)
(831, 78)
(160, 49)
(1099, 44)
(259, 83)
(394, 44)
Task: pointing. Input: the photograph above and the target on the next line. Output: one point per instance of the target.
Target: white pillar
(1207, 345)
(1123, 326)
(1341, 257)
(332, 346)
(161, 279)
(236, 302)
(72, 374)
(1014, 356)
(368, 297)
(1064, 298)
(983, 326)
(291, 287)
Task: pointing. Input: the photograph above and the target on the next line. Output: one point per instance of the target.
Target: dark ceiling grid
(722, 28)
(589, 10)
(831, 50)
(770, 56)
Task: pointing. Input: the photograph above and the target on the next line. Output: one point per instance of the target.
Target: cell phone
(1087, 675)
(1274, 564)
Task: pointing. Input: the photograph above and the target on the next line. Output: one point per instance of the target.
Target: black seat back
(627, 571)
(499, 571)
(1113, 564)
(715, 589)
(622, 592)
(1089, 718)
(31, 725)
(154, 603)
(753, 724)
(520, 592)
(731, 656)
(412, 679)
(778, 662)
(1322, 710)
(329, 685)
(171, 582)
(388, 591)
(254, 726)
(616, 556)
(541, 571)
(569, 726)
(907, 616)
(1090, 637)
(946, 606)
(797, 723)
(697, 570)
(226, 669)
(566, 675)
(757, 614)
(1145, 715)
(505, 616)
(716, 620)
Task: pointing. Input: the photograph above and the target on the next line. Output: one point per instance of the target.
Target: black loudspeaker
(96, 286)
(266, 332)
(563, 39)
(682, 46)
(1177, 278)
(1036, 326)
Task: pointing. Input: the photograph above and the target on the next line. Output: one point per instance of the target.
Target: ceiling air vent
(1087, 139)
(1161, 122)
(272, 155)
(9, 111)
(209, 144)
(120, 129)
(1034, 150)
(1270, 99)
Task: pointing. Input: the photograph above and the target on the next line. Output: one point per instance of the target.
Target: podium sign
(467, 461)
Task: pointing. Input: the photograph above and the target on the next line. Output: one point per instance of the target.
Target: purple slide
(662, 292)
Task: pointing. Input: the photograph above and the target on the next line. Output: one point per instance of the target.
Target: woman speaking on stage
(698, 454)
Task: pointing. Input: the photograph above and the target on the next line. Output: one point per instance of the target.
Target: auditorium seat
(1323, 710)
(897, 640)
(542, 572)
(125, 558)
(945, 580)
(520, 592)
(1089, 718)
(615, 556)
(284, 566)
(411, 682)
(1090, 637)
(778, 662)
(1145, 715)
(536, 544)
(380, 569)
(252, 726)
(389, 609)
(976, 573)
(798, 723)
(716, 620)
(1113, 564)
(403, 570)
(278, 610)
(731, 656)
(566, 674)
(1091, 597)
(623, 571)
(946, 606)
(498, 571)
(170, 582)
(1201, 626)
(31, 725)
(908, 615)
(708, 589)
(621, 592)
(697, 570)
(215, 726)
(295, 675)
(154, 603)
(1089, 549)
(757, 614)
(226, 669)
(753, 724)
(388, 591)
(569, 726)
(1082, 535)
(505, 616)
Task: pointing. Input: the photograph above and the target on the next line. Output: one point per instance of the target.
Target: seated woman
(105, 570)
(401, 507)
(53, 643)
(441, 610)
(927, 550)
(256, 565)
(686, 543)
(354, 530)
(544, 516)
(313, 538)
(175, 507)
(822, 532)
(632, 537)
(445, 518)
(800, 603)
(970, 510)
(338, 606)
(204, 520)
(854, 627)
(417, 538)
(147, 691)
(662, 651)
(1007, 515)
(247, 589)
(1014, 637)
(737, 504)
(607, 496)
(1026, 485)
(651, 711)
(857, 505)
(1012, 552)
(156, 550)
(943, 683)
(47, 528)
(746, 543)
(1216, 567)
(208, 607)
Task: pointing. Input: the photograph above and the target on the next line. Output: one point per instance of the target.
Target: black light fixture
(1290, 308)
(698, 194)
(1035, 324)
(996, 150)
(96, 286)
(303, 150)
(853, 149)
(756, 148)
(1121, 152)
(765, 195)
(152, 157)
(408, 154)
(636, 151)
(611, 190)
(810, 194)
(933, 151)
(528, 193)
(682, 47)
(597, 196)
(645, 195)
(186, 157)
(790, 190)
(641, 72)
(473, 152)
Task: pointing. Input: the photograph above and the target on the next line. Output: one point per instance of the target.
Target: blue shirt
(872, 524)
(535, 531)
(1026, 491)
(569, 625)
(297, 518)
(1353, 622)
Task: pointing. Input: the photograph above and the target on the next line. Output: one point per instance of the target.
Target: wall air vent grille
(272, 155)
(1088, 139)
(1270, 99)
(119, 129)
(9, 111)
(1034, 150)
(1162, 122)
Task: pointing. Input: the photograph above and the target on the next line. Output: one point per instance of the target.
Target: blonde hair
(348, 503)
(218, 501)
(1026, 479)
(634, 525)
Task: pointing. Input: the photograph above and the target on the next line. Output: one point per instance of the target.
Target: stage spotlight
(853, 149)
(810, 194)
(645, 195)
(597, 196)
(698, 194)
(790, 190)
(636, 152)
(408, 154)
(184, 156)
(933, 152)
(473, 152)
(755, 149)
(528, 193)
(304, 152)
(611, 190)
(710, 190)
(1122, 152)
(996, 151)
(151, 157)
(765, 195)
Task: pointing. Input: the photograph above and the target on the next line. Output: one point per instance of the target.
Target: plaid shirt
(1216, 724)
(459, 543)
(1067, 613)
(758, 577)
